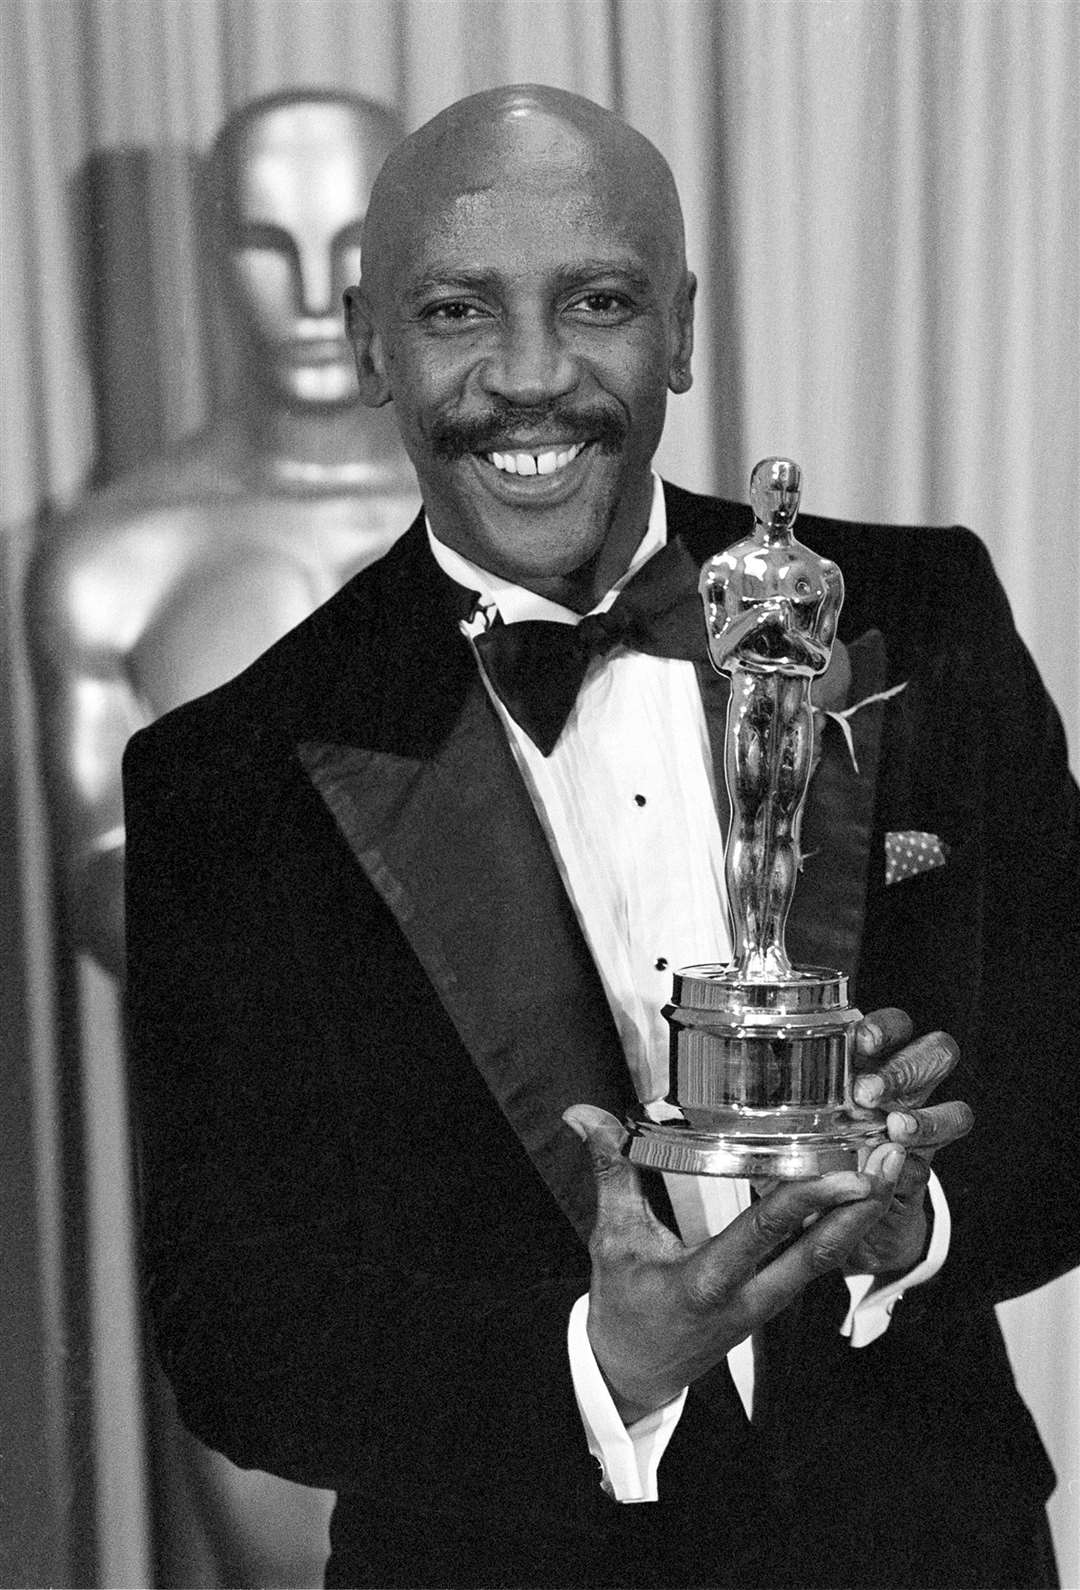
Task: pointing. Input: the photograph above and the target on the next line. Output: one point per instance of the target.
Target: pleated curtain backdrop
(882, 203)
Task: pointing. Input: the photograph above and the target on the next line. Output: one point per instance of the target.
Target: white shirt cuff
(628, 1455)
(871, 1307)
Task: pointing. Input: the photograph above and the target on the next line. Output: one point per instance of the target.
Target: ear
(680, 377)
(367, 349)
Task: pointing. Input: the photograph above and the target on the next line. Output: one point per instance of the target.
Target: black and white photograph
(539, 832)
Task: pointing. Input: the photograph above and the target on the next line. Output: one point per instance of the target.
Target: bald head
(529, 131)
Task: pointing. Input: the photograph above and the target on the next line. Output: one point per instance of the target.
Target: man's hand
(897, 1076)
(662, 1314)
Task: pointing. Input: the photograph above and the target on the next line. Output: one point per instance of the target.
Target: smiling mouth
(549, 461)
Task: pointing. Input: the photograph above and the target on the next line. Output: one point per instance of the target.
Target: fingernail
(868, 1090)
(571, 1120)
(893, 1164)
(908, 1124)
(868, 1037)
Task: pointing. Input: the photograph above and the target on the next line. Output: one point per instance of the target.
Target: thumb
(602, 1134)
(620, 1200)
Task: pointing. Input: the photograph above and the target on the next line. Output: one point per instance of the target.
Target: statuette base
(760, 1075)
(679, 1149)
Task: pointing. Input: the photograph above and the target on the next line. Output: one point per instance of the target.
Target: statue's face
(289, 223)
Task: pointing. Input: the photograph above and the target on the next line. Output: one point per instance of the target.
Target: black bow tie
(536, 665)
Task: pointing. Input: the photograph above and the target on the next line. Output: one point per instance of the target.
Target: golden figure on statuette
(761, 1049)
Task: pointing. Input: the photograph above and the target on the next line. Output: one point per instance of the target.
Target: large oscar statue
(177, 575)
(174, 577)
(760, 1049)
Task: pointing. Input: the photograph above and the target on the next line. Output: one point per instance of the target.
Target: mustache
(488, 432)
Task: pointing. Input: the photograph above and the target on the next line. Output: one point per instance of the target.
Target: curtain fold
(882, 205)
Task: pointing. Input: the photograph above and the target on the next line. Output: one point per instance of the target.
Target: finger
(603, 1135)
(886, 1163)
(910, 1076)
(907, 1173)
(930, 1128)
(824, 1246)
(621, 1203)
(911, 1185)
(879, 1033)
(730, 1259)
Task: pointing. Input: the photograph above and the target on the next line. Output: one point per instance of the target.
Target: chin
(537, 565)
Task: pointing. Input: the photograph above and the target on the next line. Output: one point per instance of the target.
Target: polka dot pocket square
(910, 852)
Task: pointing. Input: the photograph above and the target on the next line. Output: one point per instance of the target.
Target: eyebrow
(578, 272)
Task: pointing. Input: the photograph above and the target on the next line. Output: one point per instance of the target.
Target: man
(390, 922)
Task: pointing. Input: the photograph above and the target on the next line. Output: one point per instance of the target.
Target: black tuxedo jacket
(359, 1002)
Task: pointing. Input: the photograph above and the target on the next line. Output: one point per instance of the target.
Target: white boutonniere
(843, 715)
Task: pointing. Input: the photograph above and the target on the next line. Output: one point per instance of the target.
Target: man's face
(290, 244)
(528, 328)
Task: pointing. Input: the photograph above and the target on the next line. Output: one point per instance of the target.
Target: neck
(580, 589)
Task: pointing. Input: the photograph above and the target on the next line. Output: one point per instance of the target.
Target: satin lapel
(827, 915)
(448, 837)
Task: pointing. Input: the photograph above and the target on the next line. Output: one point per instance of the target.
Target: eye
(452, 312)
(607, 307)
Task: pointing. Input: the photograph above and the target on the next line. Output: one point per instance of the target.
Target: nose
(315, 273)
(532, 364)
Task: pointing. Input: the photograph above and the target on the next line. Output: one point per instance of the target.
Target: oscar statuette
(761, 1049)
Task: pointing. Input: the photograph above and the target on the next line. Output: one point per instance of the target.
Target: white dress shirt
(627, 802)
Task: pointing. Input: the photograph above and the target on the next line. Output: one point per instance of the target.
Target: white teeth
(545, 463)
